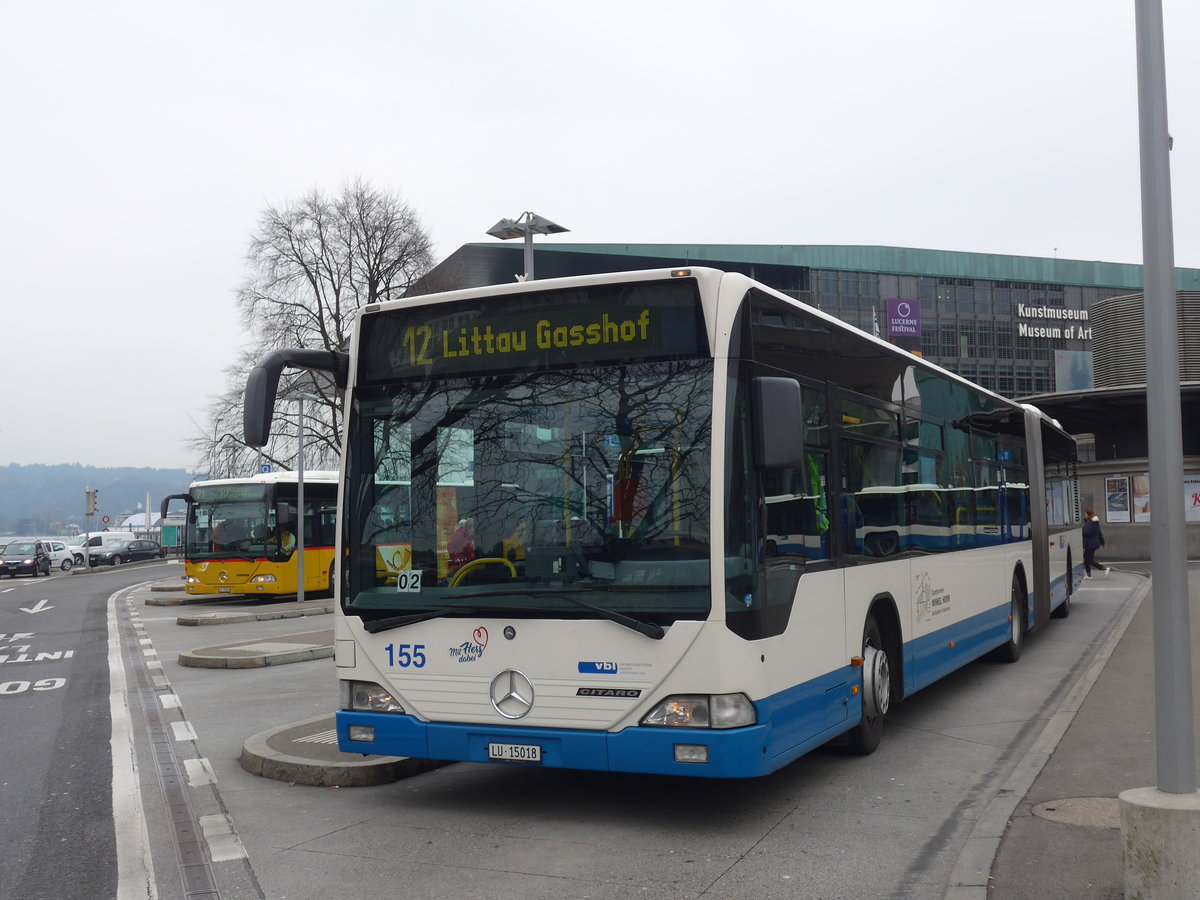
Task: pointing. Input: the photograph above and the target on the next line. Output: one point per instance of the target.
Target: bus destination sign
(580, 326)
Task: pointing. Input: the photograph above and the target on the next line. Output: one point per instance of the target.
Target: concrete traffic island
(259, 652)
(1160, 844)
(307, 753)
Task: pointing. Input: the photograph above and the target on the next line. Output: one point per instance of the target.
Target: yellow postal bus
(241, 533)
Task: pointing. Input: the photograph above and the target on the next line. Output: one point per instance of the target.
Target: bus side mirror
(778, 423)
(263, 384)
(259, 407)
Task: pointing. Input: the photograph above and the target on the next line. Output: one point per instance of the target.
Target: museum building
(1064, 334)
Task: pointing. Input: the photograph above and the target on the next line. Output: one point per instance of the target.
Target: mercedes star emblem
(512, 694)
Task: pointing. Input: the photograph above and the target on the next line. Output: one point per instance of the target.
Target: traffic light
(91, 500)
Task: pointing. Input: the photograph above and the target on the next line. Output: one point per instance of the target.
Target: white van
(97, 540)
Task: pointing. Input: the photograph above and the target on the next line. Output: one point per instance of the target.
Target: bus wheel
(1011, 651)
(877, 691)
(331, 577)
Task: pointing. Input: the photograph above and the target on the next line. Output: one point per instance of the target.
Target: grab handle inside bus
(263, 383)
(778, 423)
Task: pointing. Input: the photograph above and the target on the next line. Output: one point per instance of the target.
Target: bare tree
(313, 265)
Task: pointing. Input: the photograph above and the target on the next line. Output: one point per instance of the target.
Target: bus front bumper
(731, 753)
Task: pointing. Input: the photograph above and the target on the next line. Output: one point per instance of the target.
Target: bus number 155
(405, 655)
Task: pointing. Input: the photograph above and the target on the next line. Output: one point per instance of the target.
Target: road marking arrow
(38, 607)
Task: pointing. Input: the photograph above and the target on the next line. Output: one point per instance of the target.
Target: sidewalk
(1063, 840)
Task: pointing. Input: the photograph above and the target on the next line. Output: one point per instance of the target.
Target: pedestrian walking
(1093, 540)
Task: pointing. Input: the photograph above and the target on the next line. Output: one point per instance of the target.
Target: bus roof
(315, 477)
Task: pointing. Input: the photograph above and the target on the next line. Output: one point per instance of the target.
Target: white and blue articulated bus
(668, 522)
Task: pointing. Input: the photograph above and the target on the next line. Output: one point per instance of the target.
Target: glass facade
(1001, 335)
(998, 320)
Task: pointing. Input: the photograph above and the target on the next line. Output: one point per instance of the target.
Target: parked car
(60, 554)
(119, 552)
(25, 556)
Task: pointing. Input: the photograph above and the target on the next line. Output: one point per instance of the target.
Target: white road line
(135, 874)
(222, 838)
(200, 772)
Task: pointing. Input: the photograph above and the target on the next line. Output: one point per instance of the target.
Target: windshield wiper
(649, 629)
(377, 625)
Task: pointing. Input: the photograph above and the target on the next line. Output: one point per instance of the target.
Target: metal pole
(528, 253)
(1175, 728)
(300, 508)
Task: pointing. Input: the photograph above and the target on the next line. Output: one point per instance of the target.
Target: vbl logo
(598, 668)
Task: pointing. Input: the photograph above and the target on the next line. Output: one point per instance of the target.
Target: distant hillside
(51, 500)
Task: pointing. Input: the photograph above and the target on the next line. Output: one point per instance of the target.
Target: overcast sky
(141, 141)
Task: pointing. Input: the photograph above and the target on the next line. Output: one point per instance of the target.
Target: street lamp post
(301, 397)
(526, 225)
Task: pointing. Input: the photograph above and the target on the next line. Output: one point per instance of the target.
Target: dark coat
(1093, 537)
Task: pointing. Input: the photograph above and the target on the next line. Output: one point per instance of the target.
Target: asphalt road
(56, 783)
(831, 825)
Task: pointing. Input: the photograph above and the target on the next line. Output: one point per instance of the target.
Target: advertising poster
(1116, 499)
(1141, 498)
(904, 318)
(1191, 497)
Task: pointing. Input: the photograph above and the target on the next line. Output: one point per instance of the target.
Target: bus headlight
(702, 711)
(263, 579)
(365, 696)
(193, 579)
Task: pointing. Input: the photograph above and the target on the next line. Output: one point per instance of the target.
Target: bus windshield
(236, 520)
(514, 491)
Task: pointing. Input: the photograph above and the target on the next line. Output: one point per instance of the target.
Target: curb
(242, 655)
(237, 618)
(258, 757)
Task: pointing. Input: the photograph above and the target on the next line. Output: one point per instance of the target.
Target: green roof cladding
(892, 260)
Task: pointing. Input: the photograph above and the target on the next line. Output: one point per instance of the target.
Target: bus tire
(1011, 650)
(331, 578)
(1064, 609)
(864, 737)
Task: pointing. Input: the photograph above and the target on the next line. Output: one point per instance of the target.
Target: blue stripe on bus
(928, 658)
